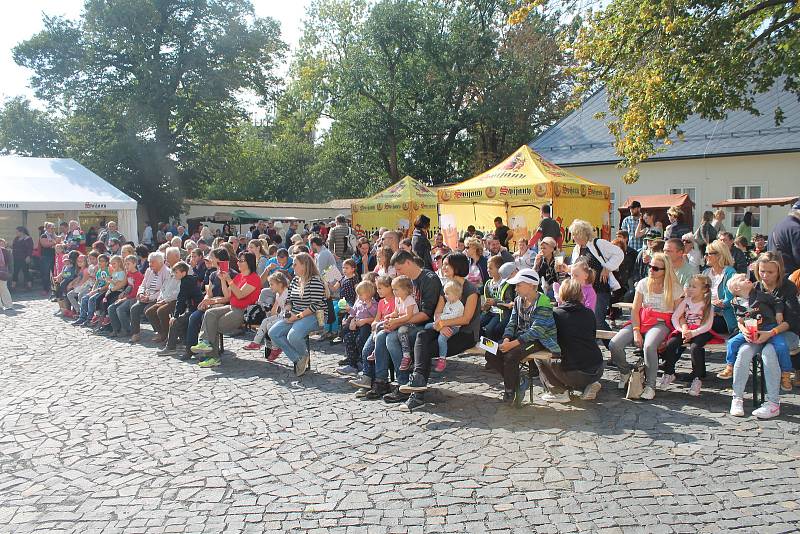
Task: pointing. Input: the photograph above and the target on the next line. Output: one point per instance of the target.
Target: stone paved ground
(96, 436)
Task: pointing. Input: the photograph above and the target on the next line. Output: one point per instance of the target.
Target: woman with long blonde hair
(651, 321)
(306, 299)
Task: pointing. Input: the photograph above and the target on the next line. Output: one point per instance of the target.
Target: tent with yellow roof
(515, 190)
(395, 207)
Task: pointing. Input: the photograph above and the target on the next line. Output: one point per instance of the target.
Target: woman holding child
(460, 331)
(306, 300)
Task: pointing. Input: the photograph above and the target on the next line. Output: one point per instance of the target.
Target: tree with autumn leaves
(662, 61)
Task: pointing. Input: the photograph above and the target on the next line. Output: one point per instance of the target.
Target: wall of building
(778, 175)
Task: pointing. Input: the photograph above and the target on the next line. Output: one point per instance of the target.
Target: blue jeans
(601, 310)
(772, 370)
(193, 328)
(491, 326)
(119, 313)
(779, 342)
(387, 345)
(291, 337)
(368, 367)
(442, 339)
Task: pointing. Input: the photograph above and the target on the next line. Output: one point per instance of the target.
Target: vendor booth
(35, 190)
(515, 190)
(395, 208)
(657, 205)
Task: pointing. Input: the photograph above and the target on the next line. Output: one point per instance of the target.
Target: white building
(742, 156)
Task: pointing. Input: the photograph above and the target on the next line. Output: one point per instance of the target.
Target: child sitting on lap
(405, 306)
(453, 309)
(755, 311)
(279, 289)
(357, 327)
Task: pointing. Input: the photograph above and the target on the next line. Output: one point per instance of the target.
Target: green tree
(426, 88)
(26, 131)
(146, 81)
(662, 61)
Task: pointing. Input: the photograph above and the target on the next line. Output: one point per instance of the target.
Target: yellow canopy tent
(396, 207)
(515, 190)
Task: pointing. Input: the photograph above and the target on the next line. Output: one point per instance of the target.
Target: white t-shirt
(656, 300)
(402, 306)
(716, 279)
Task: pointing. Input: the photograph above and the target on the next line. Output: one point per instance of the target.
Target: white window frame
(761, 214)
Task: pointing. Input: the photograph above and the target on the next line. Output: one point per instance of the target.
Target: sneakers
(726, 373)
(737, 407)
(361, 381)
(210, 362)
(666, 380)
(623, 380)
(768, 410)
(252, 346)
(202, 347)
(405, 363)
(135, 338)
(694, 389)
(94, 320)
(378, 390)
(415, 400)
(371, 357)
(395, 397)
(439, 364)
(416, 382)
(562, 397)
(786, 381)
(347, 370)
(590, 393)
(166, 351)
(273, 354)
(301, 366)
(336, 340)
(648, 393)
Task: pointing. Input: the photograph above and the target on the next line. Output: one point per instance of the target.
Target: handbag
(637, 378)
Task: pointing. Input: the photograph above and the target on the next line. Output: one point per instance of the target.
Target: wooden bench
(605, 334)
(528, 363)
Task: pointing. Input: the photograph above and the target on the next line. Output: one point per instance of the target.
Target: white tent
(61, 186)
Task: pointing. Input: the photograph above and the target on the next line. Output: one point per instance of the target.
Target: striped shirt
(312, 298)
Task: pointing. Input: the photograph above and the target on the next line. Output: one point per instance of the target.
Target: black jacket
(422, 248)
(189, 296)
(787, 293)
(576, 336)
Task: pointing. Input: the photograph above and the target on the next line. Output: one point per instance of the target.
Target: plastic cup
(752, 326)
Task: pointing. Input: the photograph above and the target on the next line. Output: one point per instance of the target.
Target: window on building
(692, 193)
(746, 191)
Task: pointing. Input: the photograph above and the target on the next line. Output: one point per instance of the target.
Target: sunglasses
(711, 253)
(657, 269)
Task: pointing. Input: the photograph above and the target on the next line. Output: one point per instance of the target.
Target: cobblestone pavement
(99, 436)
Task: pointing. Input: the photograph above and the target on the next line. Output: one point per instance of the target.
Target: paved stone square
(99, 436)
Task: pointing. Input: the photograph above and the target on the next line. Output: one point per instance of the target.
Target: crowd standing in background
(405, 300)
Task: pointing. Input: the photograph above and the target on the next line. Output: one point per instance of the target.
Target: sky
(22, 19)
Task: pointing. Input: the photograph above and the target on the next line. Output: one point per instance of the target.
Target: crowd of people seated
(409, 304)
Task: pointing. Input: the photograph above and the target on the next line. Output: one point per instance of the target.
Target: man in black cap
(785, 238)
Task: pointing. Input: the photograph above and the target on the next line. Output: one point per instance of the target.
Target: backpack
(254, 315)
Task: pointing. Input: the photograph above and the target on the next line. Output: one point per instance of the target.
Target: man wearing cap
(530, 329)
(630, 223)
(785, 238)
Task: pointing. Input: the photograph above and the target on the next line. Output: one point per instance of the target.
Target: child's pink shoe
(440, 364)
(405, 363)
(252, 346)
(273, 355)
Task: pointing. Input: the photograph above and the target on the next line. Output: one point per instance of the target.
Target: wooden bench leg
(221, 344)
(530, 379)
(759, 383)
